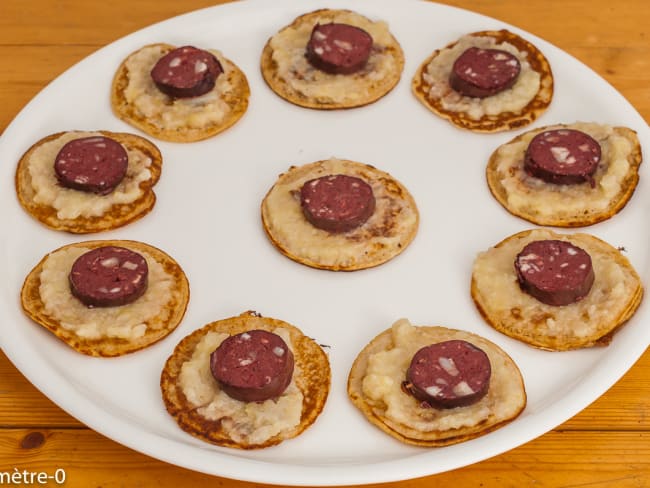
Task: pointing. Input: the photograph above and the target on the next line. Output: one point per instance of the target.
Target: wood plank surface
(558, 459)
(606, 445)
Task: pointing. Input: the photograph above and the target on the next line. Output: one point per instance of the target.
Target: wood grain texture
(36, 31)
(606, 445)
(22, 405)
(558, 459)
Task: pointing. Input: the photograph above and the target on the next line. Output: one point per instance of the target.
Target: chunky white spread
(285, 219)
(501, 297)
(528, 193)
(386, 371)
(70, 203)
(289, 47)
(514, 99)
(168, 113)
(246, 422)
(125, 322)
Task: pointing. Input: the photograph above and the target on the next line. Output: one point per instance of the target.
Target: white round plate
(207, 217)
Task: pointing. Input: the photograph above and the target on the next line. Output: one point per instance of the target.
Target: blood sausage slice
(563, 156)
(109, 276)
(253, 366)
(186, 72)
(555, 272)
(93, 164)
(338, 48)
(481, 73)
(337, 203)
(449, 374)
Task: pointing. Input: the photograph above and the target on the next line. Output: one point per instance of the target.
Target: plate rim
(160, 446)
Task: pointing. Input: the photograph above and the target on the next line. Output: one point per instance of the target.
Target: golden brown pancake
(192, 396)
(136, 99)
(383, 236)
(81, 212)
(515, 107)
(106, 331)
(375, 388)
(576, 205)
(614, 296)
(290, 75)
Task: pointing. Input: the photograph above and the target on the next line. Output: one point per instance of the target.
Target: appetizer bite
(246, 382)
(434, 386)
(179, 94)
(487, 81)
(566, 175)
(83, 182)
(339, 215)
(555, 291)
(330, 59)
(106, 298)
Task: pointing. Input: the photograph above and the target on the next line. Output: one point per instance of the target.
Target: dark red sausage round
(109, 276)
(93, 164)
(253, 366)
(337, 203)
(186, 72)
(481, 73)
(338, 48)
(555, 272)
(449, 374)
(563, 156)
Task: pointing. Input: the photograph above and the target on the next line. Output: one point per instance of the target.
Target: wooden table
(606, 445)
